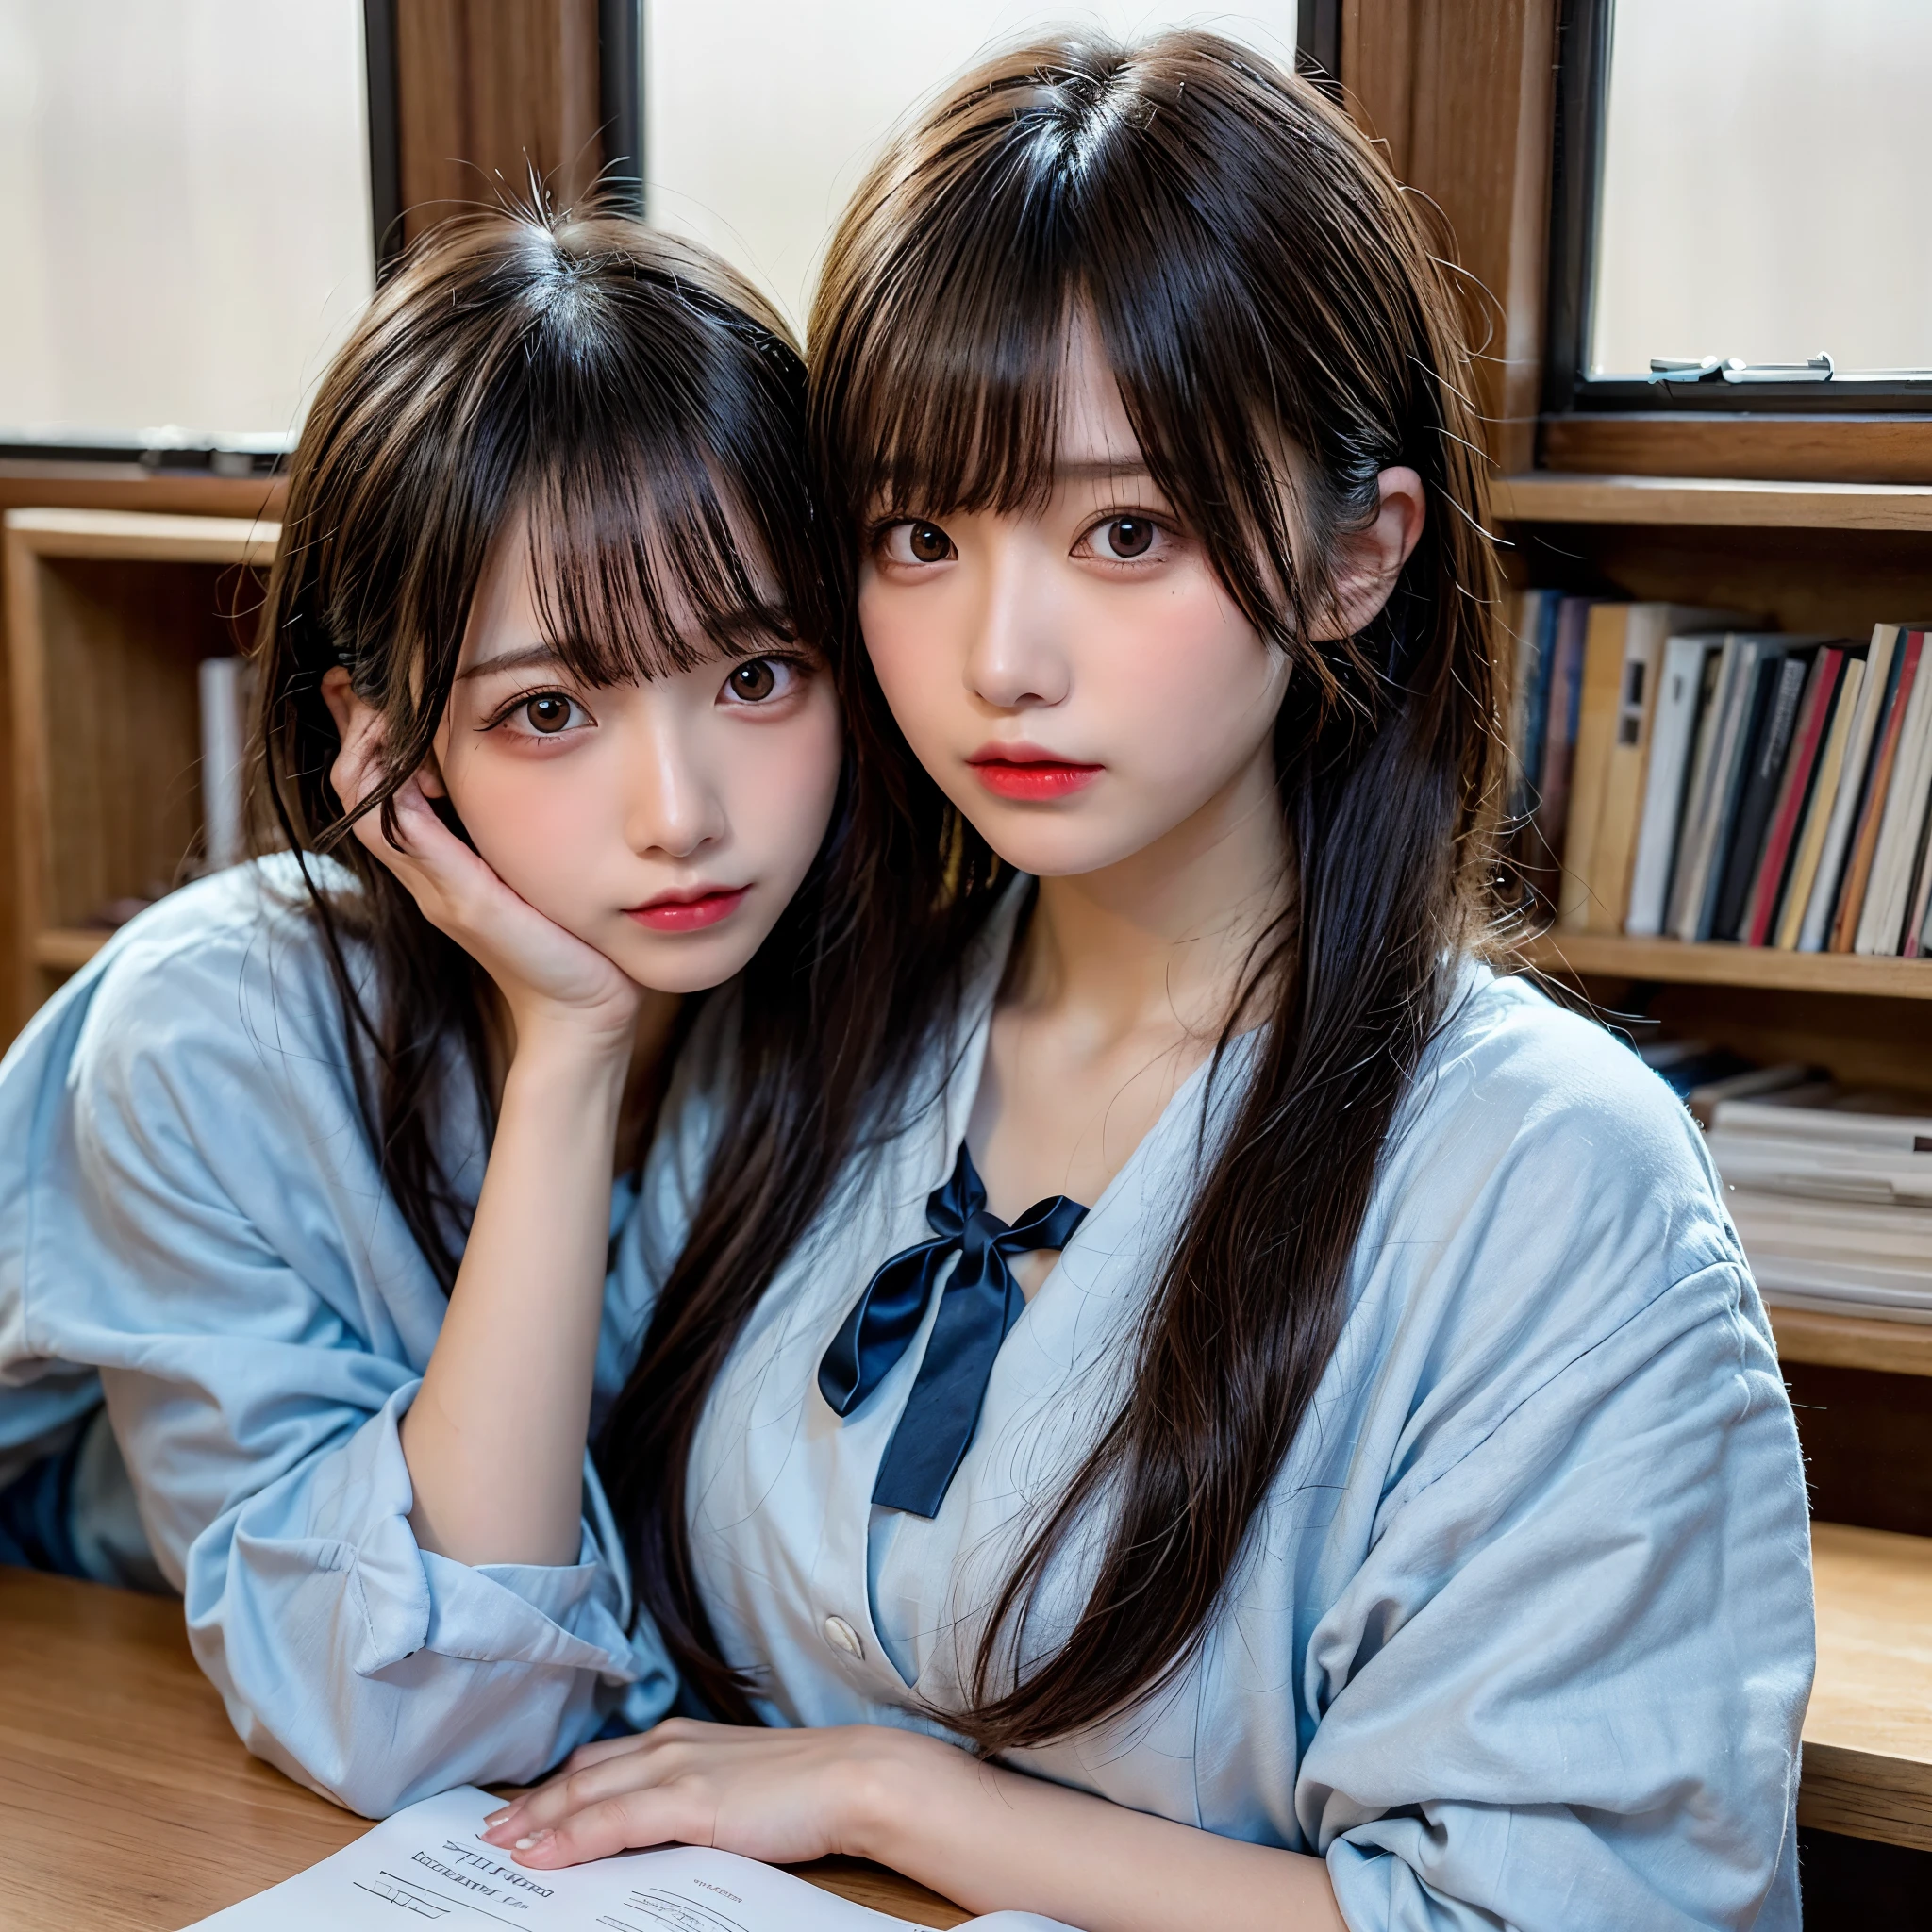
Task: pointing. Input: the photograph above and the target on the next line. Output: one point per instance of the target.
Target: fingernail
(531, 1844)
(497, 1817)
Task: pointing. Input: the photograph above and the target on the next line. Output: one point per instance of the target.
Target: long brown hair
(1280, 333)
(637, 404)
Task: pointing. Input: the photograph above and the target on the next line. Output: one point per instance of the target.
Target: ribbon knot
(981, 1303)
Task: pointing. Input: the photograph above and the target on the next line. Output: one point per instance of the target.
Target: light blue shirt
(1524, 1632)
(191, 1221)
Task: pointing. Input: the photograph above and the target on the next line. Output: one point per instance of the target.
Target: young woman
(1358, 1489)
(545, 615)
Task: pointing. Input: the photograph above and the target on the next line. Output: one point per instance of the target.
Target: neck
(1163, 937)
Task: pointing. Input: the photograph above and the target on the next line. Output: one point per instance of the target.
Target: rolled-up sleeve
(216, 1238)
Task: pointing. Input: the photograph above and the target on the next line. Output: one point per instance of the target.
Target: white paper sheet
(425, 1866)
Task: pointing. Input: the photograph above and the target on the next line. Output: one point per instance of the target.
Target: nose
(1013, 662)
(673, 808)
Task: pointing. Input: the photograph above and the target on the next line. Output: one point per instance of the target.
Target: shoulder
(1539, 1163)
(221, 986)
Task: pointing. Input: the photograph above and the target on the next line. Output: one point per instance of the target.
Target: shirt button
(841, 1636)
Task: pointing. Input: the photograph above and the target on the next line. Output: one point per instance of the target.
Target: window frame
(1583, 76)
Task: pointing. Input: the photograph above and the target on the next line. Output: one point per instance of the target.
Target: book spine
(1919, 909)
(1761, 763)
(1596, 730)
(1793, 790)
(1819, 813)
(1560, 741)
(1880, 658)
(1718, 804)
(1881, 923)
(1667, 777)
(223, 739)
(1851, 899)
(1686, 877)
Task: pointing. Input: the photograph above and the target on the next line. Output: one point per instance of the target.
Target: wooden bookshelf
(1852, 1341)
(1610, 955)
(1868, 1733)
(108, 614)
(1550, 496)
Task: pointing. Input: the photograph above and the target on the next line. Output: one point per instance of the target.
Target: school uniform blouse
(193, 1222)
(1524, 1632)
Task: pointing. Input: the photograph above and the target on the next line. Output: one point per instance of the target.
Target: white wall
(184, 211)
(1765, 183)
(762, 114)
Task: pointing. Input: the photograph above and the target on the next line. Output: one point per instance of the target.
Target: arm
(495, 1437)
(993, 1839)
(210, 1230)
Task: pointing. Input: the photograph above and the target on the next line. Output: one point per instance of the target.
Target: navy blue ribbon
(981, 1303)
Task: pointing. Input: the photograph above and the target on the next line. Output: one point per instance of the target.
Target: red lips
(688, 911)
(1030, 773)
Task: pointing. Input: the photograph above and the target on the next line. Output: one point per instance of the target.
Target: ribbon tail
(883, 1320)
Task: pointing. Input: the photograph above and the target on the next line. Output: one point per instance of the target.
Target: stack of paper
(1831, 1192)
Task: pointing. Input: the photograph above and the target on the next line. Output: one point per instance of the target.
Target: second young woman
(550, 743)
(1359, 1487)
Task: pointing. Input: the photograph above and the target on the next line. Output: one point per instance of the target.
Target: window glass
(1763, 185)
(763, 114)
(184, 213)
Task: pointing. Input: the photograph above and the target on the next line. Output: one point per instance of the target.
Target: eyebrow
(529, 656)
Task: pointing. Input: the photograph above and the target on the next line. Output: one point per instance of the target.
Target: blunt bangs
(666, 507)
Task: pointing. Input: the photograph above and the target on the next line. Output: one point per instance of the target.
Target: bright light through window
(762, 114)
(184, 214)
(1763, 189)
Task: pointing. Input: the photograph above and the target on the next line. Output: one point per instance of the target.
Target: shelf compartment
(1612, 955)
(1868, 1733)
(1548, 496)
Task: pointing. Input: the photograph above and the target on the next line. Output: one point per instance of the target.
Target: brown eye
(753, 682)
(1129, 536)
(549, 713)
(929, 543)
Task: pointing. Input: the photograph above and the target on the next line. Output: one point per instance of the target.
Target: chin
(1054, 843)
(689, 963)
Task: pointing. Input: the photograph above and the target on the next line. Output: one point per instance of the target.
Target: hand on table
(783, 1796)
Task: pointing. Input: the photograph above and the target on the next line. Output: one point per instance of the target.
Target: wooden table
(1867, 1735)
(126, 1804)
(129, 1807)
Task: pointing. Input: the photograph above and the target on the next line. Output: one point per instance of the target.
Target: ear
(1369, 561)
(349, 711)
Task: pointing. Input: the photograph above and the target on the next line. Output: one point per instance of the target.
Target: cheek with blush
(536, 826)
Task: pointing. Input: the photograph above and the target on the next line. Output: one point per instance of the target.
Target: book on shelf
(1684, 687)
(1902, 815)
(1801, 764)
(1762, 756)
(1864, 846)
(1746, 677)
(1880, 662)
(1624, 645)
(227, 691)
(1816, 815)
(1738, 786)
(1563, 706)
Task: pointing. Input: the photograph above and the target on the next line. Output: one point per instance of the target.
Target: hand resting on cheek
(547, 976)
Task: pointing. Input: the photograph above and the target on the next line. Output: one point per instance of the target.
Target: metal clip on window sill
(1735, 369)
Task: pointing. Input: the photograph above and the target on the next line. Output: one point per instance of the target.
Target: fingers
(597, 1773)
(629, 1822)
